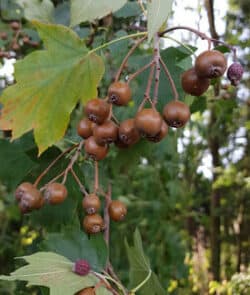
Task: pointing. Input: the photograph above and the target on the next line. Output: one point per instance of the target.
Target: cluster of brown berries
(15, 40)
(99, 130)
(93, 222)
(29, 198)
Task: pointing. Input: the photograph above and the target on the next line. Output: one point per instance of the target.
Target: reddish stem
(78, 181)
(39, 178)
(171, 81)
(130, 52)
(108, 199)
(134, 75)
(157, 68)
(96, 184)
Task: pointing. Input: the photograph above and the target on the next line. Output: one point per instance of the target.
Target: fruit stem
(203, 36)
(142, 7)
(180, 43)
(108, 200)
(130, 52)
(117, 40)
(171, 81)
(96, 184)
(39, 178)
(78, 181)
(133, 291)
(134, 75)
(72, 161)
(118, 284)
(157, 68)
(147, 92)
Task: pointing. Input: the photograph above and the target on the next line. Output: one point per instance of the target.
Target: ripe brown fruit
(192, 84)
(119, 93)
(22, 189)
(31, 199)
(128, 133)
(158, 137)
(117, 210)
(148, 122)
(85, 128)
(3, 35)
(15, 25)
(91, 203)
(210, 64)
(93, 224)
(95, 151)
(55, 193)
(87, 291)
(97, 110)
(105, 133)
(176, 113)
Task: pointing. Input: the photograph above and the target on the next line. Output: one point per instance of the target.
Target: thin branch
(39, 178)
(130, 52)
(157, 68)
(134, 75)
(78, 181)
(108, 199)
(96, 184)
(171, 81)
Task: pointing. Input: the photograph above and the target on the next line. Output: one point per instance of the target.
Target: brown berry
(85, 128)
(15, 46)
(97, 110)
(22, 189)
(128, 133)
(26, 39)
(176, 113)
(105, 133)
(192, 84)
(91, 203)
(148, 122)
(210, 64)
(55, 193)
(119, 93)
(3, 35)
(117, 210)
(95, 151)
(159, 136)
(87, 291)
(15, 26)
(93, 224)
(30, 200)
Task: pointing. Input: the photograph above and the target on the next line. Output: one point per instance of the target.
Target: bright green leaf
(158, 12)
(53, 271)
(76, 245)
(140, 268)
(49, 84)
(37, 9)
(87, 10)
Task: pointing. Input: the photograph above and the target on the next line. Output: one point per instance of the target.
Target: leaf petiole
(117, 40)
(133, 291)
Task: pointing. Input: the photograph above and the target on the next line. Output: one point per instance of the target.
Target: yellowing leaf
(53, 271)
(158, 12)
(88, 10)
(49, 84)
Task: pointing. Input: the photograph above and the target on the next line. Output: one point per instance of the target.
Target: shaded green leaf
(102, 291)
(140, 268)
(49, 84)
(85, 10)
(128, 10)
(37, 9)
(53, 271)
(76, 245)
(158, 12)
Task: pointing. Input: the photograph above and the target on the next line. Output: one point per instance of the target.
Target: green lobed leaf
(158, 12)
(75, 244)
(88, 10)
(140, 268)
(53, 271)
(49, 84)
(37, 9)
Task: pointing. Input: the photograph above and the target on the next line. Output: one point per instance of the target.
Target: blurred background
(189, 195)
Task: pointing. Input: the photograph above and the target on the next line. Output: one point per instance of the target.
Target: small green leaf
(86, 10)
(158, 12)
(76, 245)
(140, 268)
(49, 84)
(53, 271)
(102, 291)
(37, 9)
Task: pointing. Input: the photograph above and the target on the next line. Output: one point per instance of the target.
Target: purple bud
(234, 73)
(81, 267)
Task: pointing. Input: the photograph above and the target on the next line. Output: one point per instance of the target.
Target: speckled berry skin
(81, 267)
(234, 73)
